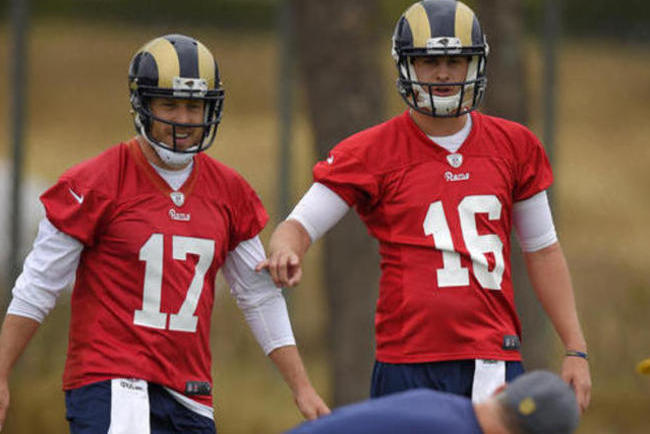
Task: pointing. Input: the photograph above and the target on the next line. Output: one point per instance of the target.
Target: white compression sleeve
(533, 223)
(49, 268)
(318, 210)
(262, 304)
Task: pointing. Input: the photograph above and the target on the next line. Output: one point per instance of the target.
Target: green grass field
(78, 106)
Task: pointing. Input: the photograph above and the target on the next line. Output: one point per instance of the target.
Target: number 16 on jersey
(453, 273)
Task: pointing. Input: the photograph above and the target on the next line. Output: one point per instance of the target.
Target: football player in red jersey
(440, 187)
(143, 229)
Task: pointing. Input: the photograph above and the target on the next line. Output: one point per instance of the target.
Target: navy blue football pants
(455, 376)
(88, 410)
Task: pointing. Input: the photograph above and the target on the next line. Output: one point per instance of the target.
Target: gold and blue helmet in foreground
(176, 66)
(440, 28)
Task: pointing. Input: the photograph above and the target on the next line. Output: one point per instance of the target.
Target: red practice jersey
(144, 288)
(443, 223)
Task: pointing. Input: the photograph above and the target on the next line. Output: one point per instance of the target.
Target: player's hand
(4, 401)
(310, 404)
(284, 267)
(575, 371)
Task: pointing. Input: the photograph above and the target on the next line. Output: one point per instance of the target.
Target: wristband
(572, 353)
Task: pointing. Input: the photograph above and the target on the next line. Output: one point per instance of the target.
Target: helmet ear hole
(136, 101)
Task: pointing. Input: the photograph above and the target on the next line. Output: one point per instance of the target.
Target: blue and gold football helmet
(440, 28)
(175, 66)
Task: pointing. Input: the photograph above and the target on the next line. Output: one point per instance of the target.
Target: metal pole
(285, 100)
(551, 30)
(17, 86)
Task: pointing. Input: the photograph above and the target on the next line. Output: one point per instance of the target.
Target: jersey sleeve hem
(536, 244)
(25, 309)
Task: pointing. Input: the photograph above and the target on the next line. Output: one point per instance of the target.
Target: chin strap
(178, 159)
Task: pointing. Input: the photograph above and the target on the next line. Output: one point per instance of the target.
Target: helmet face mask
(432, 28)
(175, 67)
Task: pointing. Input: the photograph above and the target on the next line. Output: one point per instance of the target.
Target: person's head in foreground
(538, 402)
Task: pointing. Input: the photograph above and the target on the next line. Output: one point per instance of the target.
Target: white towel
(129, 407)
(488, 376)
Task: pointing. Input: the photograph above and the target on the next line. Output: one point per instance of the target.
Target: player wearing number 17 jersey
(441, 187)
(143, 229)
(144, 286)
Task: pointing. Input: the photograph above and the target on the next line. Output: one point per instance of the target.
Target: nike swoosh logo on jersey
(78, 198)
(330, 159)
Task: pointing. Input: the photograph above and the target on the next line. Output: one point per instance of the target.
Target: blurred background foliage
(626, 20)
(78, 105)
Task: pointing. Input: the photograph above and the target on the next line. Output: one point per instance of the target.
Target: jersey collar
(188, 186)
(466, 145)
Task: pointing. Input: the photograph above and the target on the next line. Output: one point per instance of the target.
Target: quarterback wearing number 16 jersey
(441, 187)
(443, 221)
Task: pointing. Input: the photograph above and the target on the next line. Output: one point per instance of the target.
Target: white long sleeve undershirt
(321, 208)
(51, 265)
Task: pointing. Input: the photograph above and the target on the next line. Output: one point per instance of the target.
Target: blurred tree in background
(625, 20)
(344, 95)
